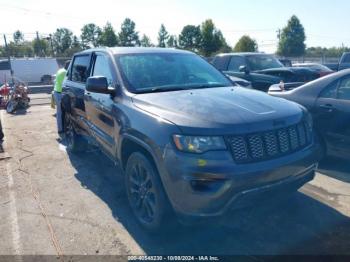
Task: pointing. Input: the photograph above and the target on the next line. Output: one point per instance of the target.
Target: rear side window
(344, 89)
(330, 91)
(80, 68)
(346, 58)
(235, 63)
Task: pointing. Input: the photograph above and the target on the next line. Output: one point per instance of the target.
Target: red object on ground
(4, 90)
(4, 95)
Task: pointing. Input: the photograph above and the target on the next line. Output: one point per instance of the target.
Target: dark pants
(1, 133)
(58, 97)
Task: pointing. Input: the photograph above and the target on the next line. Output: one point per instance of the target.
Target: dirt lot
(55, 203)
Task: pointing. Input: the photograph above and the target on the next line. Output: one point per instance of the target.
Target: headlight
(198, 144)
(308, 120)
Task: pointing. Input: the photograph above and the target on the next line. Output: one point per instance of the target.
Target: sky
(326, 22)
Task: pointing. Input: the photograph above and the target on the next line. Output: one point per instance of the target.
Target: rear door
(74, 87)
(342, 107)
(99, 106)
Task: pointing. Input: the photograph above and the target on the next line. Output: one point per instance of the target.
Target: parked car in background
(344, 63)
(328, 100)
(286, 62)
(240, 82)
(30, 70)
(187, 140)
(321, 69)
(262, 70)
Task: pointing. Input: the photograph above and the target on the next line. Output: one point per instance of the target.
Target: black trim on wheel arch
(140, 143)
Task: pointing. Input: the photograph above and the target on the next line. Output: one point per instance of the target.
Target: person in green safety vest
(60, 75)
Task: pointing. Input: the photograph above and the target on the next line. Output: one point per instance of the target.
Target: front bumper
(210, 184)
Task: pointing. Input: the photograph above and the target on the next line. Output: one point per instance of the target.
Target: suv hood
(291, 74)
(220, 111)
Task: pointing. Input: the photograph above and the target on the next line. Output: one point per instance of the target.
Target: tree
(108, 36)
(246, 44)
(18, 37)
(24, 49)
(212, 38)
(172, 41)
(145, 41)
(163, 36)
(76, 47)
(40, 47)
(326, 52)
(2, 51)
(128, 36)
(292, 39)
(190, 38)
(90, 34)
(62, 40)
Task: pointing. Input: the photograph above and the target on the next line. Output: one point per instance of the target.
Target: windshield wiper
(176, 87)
(165, 89)
(207, 85)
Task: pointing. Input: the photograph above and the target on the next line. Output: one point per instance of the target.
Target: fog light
(206, 185)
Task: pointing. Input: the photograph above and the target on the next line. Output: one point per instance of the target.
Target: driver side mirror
(99, 84)
(244, 69)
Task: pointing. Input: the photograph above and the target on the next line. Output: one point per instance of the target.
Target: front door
(332, 116)
(99, 106)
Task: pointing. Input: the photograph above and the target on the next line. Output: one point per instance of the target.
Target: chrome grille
(270, 144)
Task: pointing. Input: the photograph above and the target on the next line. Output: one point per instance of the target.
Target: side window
(235, 63)
(344, 89)
(346, 58)
(80, 68)
(330, 91)
(101, 68)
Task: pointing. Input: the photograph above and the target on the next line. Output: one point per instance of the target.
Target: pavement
(56, 203)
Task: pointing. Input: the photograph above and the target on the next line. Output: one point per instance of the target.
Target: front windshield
(156, 72)
(261, 62)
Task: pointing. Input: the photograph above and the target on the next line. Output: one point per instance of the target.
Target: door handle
(328, 107)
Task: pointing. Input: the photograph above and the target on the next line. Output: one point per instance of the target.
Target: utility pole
(50, 38)
(8, 58)
(278, 34)
(38, 43)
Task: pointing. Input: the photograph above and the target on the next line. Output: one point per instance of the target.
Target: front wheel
(145, 192)
(75, 143)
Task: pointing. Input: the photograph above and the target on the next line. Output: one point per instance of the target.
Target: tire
(75, 143)
(145, 192)
(11, 106)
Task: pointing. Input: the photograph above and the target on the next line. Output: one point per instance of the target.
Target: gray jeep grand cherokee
(187, 139)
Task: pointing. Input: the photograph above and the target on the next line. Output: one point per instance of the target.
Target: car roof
(244, 54)
(135, 50)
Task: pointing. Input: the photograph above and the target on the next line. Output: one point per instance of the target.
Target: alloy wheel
(142, 193)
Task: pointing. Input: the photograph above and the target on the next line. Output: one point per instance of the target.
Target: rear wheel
(75, 143)
(145, 192)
